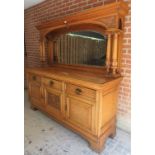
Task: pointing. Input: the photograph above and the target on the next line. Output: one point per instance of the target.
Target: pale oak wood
(108, 55)
(90, 112)
(82, 98)
(115, 53)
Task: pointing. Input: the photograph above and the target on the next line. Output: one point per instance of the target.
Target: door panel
(36, 97)
(35, 91)
(53, 101)
(79, 113)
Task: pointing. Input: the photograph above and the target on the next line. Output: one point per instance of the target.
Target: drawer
(54, 84)
(82, 92)
(34, 78)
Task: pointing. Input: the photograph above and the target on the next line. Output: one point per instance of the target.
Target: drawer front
(54, 84)
(82, 92)
(34, 78)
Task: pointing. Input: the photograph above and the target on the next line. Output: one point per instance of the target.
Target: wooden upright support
(108, 54)
(114, 53)
(119, 56)
(50, 51)
(42, 49)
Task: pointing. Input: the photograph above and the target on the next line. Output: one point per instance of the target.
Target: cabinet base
(98, 146)
(113, 134)
(33, 108)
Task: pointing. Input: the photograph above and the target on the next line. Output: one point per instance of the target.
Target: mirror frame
(103, 19)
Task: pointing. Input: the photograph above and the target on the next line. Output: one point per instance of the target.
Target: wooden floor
(43, 136)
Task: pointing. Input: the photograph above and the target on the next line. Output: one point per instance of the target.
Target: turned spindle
(50, 51)
(108, 53)
(42, 50)
(114, 53)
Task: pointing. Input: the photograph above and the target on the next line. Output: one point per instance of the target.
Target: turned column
(50, 51)
(114, 53)
(42, 49)
(108, 53)
(55, 50)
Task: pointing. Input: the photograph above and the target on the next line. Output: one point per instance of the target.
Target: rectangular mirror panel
(84, 48)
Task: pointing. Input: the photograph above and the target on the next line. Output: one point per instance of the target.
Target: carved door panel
(53, 101)
(80, 113)
(36, 95)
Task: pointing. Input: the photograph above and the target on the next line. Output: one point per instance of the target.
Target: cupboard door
(36, 96)
(53, 101)
(79, 113)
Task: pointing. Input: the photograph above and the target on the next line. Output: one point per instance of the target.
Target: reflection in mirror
(84, 47)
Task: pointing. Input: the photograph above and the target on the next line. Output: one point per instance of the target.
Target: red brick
(98, 4)
(92, 1)
(65, 9)
(78, 1)
(69, 4)
(73, 6)
(126, 46)
(82, 4)
(109, 1)
(87, 7)
(127, 24)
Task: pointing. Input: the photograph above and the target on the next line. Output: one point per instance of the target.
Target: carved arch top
(107, 19)
(101, 18)
(93, 26)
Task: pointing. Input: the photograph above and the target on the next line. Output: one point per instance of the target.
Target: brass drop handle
(34, 77)
(78, 91)
(51, 83)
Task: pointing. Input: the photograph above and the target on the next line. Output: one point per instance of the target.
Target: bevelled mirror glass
(83, 48)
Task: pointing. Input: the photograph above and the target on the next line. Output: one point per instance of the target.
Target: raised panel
(37, 102)
(36, 97)
(53, 101)
(79, 113)
(109, 105)
(35, 91)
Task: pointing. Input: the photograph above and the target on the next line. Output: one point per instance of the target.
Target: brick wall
(51, 9)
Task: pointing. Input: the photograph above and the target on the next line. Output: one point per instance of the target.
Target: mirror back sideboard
(80, 87)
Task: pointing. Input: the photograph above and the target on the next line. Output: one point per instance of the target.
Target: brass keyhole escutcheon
(51, 83)
(78, 91)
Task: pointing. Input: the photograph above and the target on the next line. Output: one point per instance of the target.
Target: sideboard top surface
(67, 74)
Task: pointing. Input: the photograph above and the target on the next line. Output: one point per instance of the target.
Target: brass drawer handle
(78, 91)
(51, 83)
(34, 77)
